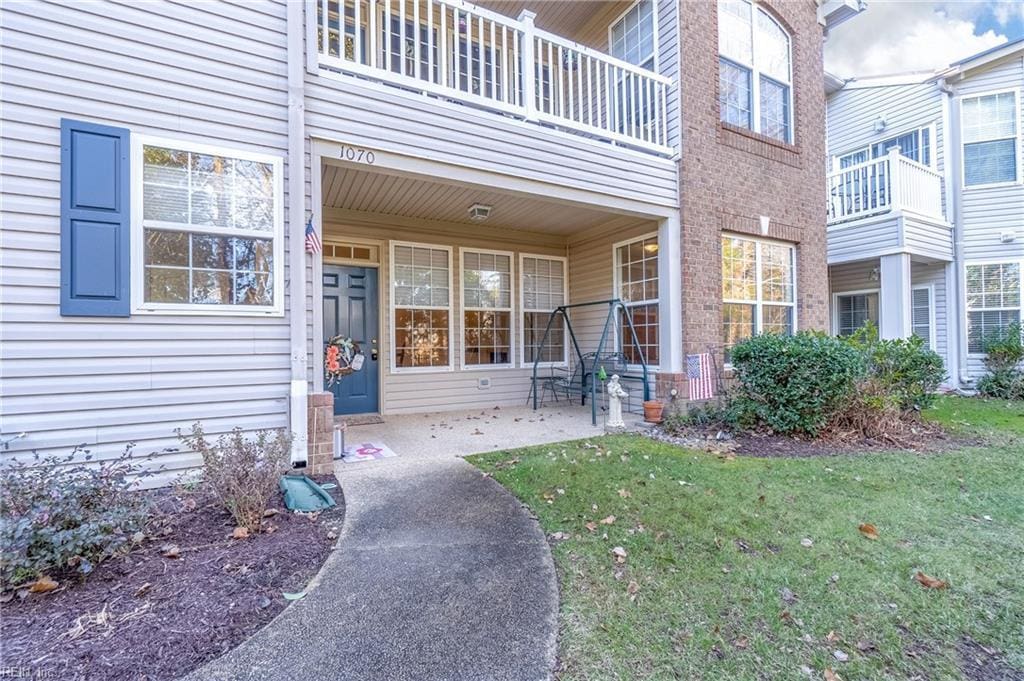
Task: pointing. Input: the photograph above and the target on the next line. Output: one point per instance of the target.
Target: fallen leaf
(608, 521)
(189, 504)
(840, 655)
(138, 537)
(269, 512)
(868, 530)
(620, 554)
(832, 676)
(786, 617)
(625, 493)
(865, 646)
(143, 590)
(807, 542)
(42, 585)
(270, 529)
(930, 582)
(742, 642)
(831, 637)
(760, 499)
(632, 589)
(787, 595)
(240, 533)
(592, 526)
(172, 551)
(559, 536)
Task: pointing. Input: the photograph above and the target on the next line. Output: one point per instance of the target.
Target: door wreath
(341, 358)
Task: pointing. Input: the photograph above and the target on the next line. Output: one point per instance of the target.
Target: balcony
(887, 205)
(466, 54)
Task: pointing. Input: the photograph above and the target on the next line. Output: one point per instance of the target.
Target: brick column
(320, 426)
(664, 381)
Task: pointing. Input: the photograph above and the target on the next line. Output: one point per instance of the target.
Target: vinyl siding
(213, 73)
(989, 211)
(864, 238)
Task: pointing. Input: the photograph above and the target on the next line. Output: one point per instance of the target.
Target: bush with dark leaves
(66, 514)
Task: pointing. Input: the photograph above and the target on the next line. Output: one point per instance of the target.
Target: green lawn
(716, 583)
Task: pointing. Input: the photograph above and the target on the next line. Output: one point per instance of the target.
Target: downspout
(954, 208)
(297, 234)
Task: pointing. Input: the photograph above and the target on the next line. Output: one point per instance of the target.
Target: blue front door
(350, 309)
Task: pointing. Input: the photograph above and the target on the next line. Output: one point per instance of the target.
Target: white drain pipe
(297, 233)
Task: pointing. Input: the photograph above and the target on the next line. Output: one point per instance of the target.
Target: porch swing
(589, 367)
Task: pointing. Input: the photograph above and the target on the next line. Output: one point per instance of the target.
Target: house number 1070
(358, 155)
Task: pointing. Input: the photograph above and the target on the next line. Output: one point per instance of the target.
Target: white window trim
(654, 30)
(759, 294)
(617, 293)
(138, 242)
(1018, 142)
(511, 309)
(393, 353)
(932, 339)
(932, 160)
(967, 310)
(839, 294)
(755, 76)
(523, 362)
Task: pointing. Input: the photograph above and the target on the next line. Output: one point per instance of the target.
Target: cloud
(1008, 12)
(893, 37)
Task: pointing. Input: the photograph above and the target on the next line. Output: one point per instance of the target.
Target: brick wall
(730, 176)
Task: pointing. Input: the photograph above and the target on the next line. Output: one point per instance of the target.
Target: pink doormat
(367, 451)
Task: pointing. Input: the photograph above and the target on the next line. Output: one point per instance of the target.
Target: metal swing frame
(614, 304)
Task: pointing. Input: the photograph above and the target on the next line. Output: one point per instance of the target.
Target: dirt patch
(981, 663)
(147, 616)
(768, 445)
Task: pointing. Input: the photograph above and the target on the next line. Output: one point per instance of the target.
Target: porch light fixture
(880, 124)
(479, 212)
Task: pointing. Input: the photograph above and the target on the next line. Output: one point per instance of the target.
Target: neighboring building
(926, 204)
(466, 168)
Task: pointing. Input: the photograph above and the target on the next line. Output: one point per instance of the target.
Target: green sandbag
(302, 494)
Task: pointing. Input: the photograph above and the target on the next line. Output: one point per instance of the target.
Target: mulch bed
(150, 617)
(768, 445)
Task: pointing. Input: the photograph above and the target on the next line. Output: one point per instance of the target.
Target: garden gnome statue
(615, 394)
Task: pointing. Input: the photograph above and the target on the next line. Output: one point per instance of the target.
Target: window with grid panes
(854, 310)
(543, 286)
(211, 228)
(636, 274)
(993, 301)
(421, 301)
(755, 77)
(487, 308)
(758, 289)
(990, 137)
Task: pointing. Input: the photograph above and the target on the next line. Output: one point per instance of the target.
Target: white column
(528, 64)
(894, 299)
(670, 294)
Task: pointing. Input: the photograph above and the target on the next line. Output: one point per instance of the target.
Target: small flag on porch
(699, 376)
(313, 244)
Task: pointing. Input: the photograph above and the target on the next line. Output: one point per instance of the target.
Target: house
(465, 169)
(926, 204)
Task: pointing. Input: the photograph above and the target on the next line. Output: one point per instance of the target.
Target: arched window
(755, 70)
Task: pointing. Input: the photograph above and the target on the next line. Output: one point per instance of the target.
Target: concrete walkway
(439, 575)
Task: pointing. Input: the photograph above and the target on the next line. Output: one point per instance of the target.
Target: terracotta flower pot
(653, 410)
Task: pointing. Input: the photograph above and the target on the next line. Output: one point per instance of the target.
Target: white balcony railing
(459, 51)
(892, 182)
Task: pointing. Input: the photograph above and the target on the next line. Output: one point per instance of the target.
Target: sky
(894, 36)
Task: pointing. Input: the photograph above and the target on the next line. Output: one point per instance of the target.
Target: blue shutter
(95, 210)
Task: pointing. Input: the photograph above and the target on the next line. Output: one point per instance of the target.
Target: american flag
(313, 244)
(699, 376)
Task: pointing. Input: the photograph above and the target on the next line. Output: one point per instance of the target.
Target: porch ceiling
(584, 21)
(351, 189)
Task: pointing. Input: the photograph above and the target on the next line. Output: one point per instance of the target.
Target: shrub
(1004, 356)
(243, 473)
(902, 370)
(61, 515)
(794, 384)
(679, 419)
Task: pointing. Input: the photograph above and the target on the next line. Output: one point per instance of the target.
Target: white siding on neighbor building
(866, 238)
(211, 72)
(924, 237)
(856, 276)
(989, 211)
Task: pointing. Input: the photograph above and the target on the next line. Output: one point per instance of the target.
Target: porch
(447, 286)
(890, 204)
(500, 58)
